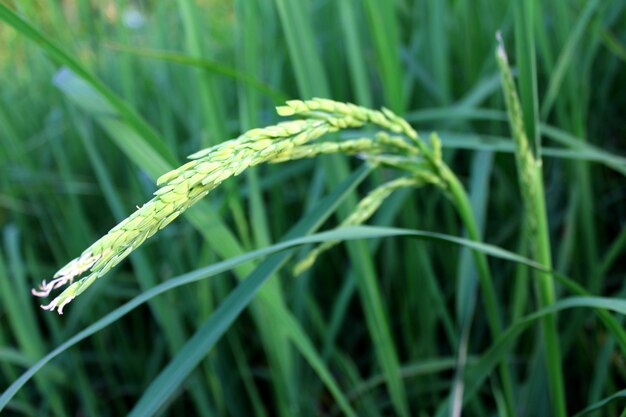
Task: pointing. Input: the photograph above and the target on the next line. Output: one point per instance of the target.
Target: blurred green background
(151, 82)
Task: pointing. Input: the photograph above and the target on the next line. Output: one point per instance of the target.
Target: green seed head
(208, 168)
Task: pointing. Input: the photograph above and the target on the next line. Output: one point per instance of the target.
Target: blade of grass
(212, 115)
(524, 14)
(485, 364)
(424, 367)
(616, 162)
(476, 142)
(168, 381)
(249, 58)
(466, 289)
(377, 322)
(306, 62)
(306, 348)
(249, 40)
(360, 232)
(207, 65)
(465, 211)
(614, 44)
(565, 59)
(20, 316)
(211, 108)
(437, 12)
(357, 65)
(311, 79)
(245, 373)
(384, 31)
(602, 403)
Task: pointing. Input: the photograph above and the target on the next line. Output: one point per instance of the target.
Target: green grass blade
(524, 24)
(565, 59)
(167, 384)
(384, 31)
(311, 79)
(466, 286)
(377, 321)
(437, 12)
(614, 44)
(20, 316)
(603, 402)
(211, 108)
(306, 348)
(360, 232)
(171, 284)
(482, 369)
(209, 65)
(169, 380)
(357, 64)
(307, 63)
(611, 160)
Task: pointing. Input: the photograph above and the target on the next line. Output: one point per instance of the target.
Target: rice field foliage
(432, 223)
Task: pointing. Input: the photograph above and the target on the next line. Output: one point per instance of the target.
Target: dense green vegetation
(509, 302)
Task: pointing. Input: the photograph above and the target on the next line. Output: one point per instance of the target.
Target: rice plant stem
(530, 176)
(546, 296)
(464, 208)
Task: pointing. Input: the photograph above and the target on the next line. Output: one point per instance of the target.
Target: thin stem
(530, 176)
(465, 211)
(546, 294)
